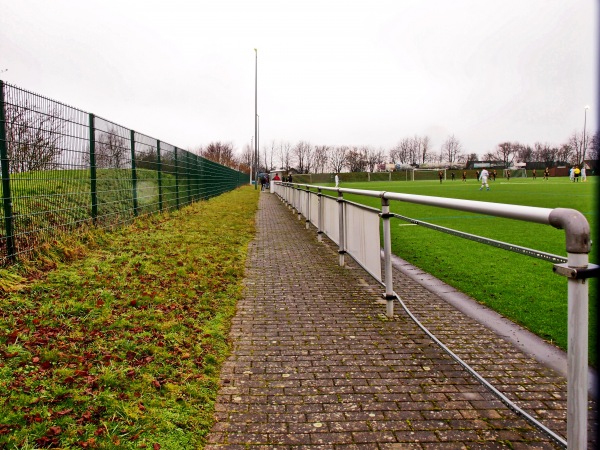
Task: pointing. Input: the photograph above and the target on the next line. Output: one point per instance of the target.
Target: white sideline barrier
(331, 219)
(314, 211)
(363, 238)
(349, 228)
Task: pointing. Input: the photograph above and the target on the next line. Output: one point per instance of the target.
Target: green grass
(121, 347)
(521, 288)
(55, 197)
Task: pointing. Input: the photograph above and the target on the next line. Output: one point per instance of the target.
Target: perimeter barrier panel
(576, 268)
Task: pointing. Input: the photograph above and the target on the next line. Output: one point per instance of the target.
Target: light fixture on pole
(585, 109)
(256, 118)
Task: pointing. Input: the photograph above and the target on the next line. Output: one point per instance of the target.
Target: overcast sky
(329, 72)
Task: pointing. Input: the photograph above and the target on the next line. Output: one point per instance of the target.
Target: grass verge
(121, 347)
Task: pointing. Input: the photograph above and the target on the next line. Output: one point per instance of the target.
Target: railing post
(159, 173)
(387, 254)
(299, 202)
(133, 173)
(93, 180)
(307, 208)
(578, 245)
(342, 237)
(6, 194)
(577, 355)
(320, 216)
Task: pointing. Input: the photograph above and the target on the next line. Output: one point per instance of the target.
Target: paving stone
(316, 364)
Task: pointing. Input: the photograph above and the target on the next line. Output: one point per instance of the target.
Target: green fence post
(133, 173)
(94, 188)
(159, 169)
(176, 180)
(7, 198)
(188, 177)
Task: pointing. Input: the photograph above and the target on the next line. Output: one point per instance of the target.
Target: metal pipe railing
(577, 269)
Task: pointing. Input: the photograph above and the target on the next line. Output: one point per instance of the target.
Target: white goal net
(515, 173)
(427, 174)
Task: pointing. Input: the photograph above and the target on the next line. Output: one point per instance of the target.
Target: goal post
(515, 173)
(427, 174)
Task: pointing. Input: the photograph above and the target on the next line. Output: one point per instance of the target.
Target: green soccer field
(522, 288)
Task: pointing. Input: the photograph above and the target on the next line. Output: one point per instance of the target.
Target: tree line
(37, 139)
(303, 157)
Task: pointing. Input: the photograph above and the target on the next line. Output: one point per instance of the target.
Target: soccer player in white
(483, 177)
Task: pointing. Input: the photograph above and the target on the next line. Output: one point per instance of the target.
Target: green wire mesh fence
(63, 168)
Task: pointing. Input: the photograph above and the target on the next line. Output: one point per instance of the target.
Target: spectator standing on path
(276, 177)
(290, 178)
(483, 177)
(337, 180)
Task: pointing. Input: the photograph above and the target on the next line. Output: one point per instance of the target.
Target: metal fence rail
(576, 269)
(63, 168)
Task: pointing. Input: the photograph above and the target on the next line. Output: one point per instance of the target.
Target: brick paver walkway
(316, 364)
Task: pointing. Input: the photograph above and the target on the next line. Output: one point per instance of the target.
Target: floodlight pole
(585, 109)
(256, 119)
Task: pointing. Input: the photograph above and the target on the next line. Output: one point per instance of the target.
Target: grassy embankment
(121, 343)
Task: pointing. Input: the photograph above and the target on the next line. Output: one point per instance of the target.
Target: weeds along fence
(63, 168)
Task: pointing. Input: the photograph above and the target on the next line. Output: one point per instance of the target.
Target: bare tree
(489, 156)
(505, 152)
(524, 153)
(33, 137)
(395, 155)
(321, 156)
(424, 145)
(576, 142)
(451, 149)
(404, 152)
(545, 153)
(304, 154)
(268, 154)
(112, 151)
(338, 158)
(357, 159)
(219, 152)
(285, 155)
(272, 154)
(565, 153)
(594, 147)
(373, 157)
(246, 158)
